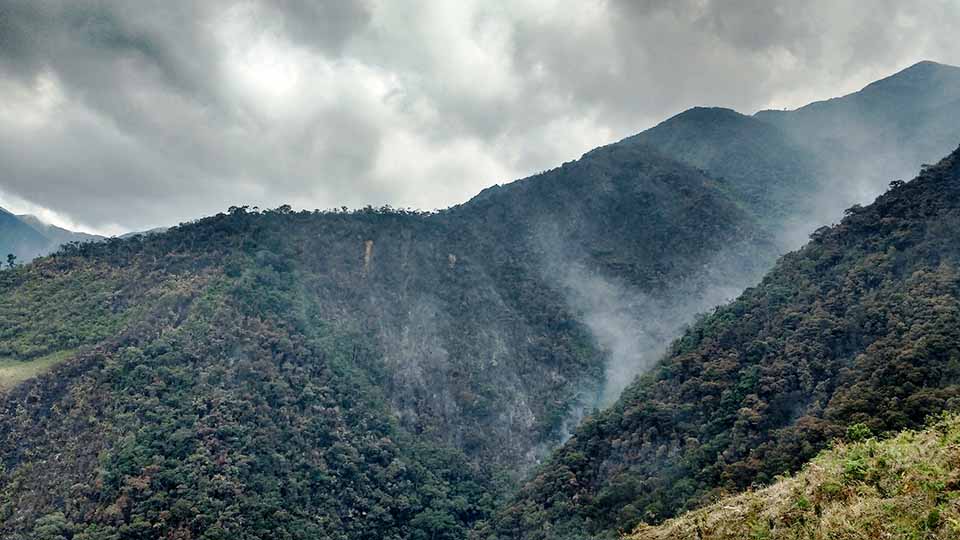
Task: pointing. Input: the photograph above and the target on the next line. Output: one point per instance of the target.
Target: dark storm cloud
(118, 116)
(327, 25)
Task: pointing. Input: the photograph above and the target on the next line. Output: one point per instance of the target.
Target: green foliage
(53, 526)
(858, 432)
(43, 313)
(235, 420)
(905, 487)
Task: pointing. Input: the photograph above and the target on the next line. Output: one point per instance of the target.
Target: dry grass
(13, 371)
(904, 488)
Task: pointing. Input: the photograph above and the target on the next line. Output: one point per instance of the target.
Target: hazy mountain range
(26, 236)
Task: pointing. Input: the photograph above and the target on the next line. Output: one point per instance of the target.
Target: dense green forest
(860, 326)
(206, 399)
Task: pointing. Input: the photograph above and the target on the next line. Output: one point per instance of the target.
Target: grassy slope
(13, 371)
(907, 487)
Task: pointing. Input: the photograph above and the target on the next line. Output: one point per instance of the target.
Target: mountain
(394, 374)
(892, 125)
(57, 236)
(797, 170)
(619, 235)
(20, 239)
(369, 374)
(756, 161)
(859, 326)
(27, 236)
(892, 488)
(894, 111)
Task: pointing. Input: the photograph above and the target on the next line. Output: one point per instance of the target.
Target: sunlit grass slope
(907, 487)
(13, 371)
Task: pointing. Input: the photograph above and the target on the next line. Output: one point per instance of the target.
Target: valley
(683, 315)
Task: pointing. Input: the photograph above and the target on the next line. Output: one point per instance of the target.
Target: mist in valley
(633, 328)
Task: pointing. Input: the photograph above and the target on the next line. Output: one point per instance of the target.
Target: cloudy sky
(117, 116)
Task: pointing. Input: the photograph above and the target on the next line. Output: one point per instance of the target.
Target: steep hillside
(904, 487)
(625, 208)
(755, 161)
(891, 111)
(372, 374)
(861, 325)
(198, 396)
(620, 235)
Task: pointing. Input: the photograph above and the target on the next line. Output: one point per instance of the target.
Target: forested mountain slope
(764, 170)
(382, 373)
(649, 233)
(861, 325)
(370, 374)
(884, 131)
(629, 258)
(201, 397)
(892, 115)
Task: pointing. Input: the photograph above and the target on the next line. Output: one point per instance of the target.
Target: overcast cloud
(115, 116)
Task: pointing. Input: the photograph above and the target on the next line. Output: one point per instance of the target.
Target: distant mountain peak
(918, 76)
(715, 119)
(928, 65)
(708, 112)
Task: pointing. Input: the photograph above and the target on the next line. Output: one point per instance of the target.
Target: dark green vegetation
(860, 326)
(220, 408)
